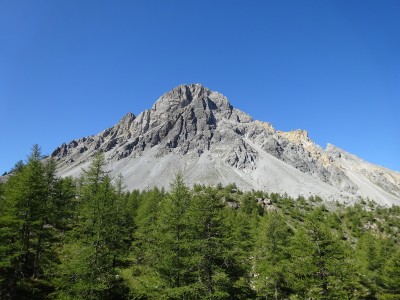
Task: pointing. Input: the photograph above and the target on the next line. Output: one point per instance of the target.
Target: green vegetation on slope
(85, 238)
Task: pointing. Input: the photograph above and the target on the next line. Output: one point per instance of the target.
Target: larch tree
(171, 240)
(271, 257)
(320, 262)
(209, 265)
(391, 275)
(89, 264)
(29, 227)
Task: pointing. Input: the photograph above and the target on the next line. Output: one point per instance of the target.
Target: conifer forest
(90, 238)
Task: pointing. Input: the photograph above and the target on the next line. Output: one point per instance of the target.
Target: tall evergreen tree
(89, 267)
(29, 227)
(370, 262)
(10, 241)
(171, 240)
(211, 266)
(240, 232)
(146, 281)
(146, 227)
(271, 257)
(320, 262)
(391, 276)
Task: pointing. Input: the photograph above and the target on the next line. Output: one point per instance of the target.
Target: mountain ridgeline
(197, 132)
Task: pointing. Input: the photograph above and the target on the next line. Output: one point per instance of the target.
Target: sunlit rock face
(197, 132)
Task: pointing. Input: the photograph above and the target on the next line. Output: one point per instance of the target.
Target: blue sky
(69, 69)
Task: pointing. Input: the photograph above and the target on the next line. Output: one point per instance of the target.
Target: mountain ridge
(197, 131)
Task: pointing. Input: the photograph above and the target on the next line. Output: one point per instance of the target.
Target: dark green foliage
(248, 205)
(217, 271)
(28, 218)
(369, 251)
(271, 257)
(391, 275)
(87, 238)
(88, 269)
(17, 167)
(171, 240)
(185, 248)
(321, 261)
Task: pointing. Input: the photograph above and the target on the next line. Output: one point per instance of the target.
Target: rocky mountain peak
(191, 94)
(180, 97)
(197, 131)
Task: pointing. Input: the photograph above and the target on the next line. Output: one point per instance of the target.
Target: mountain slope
(197, 132)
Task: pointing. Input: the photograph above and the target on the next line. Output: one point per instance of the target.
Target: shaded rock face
(200, 127)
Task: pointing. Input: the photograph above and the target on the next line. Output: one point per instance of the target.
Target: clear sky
(72, 68)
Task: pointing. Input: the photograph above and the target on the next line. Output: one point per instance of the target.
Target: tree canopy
(88, 238)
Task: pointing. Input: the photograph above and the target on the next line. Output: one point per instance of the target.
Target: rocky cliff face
(197, 132)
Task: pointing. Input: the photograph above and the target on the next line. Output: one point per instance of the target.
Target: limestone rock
(196, 131)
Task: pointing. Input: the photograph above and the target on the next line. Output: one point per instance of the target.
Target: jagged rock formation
(197, 132)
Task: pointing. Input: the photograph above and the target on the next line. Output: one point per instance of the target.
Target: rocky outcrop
(181, 121)
(373, 180)
(197, 131)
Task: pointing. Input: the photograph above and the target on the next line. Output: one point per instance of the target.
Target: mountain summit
(196, 131)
